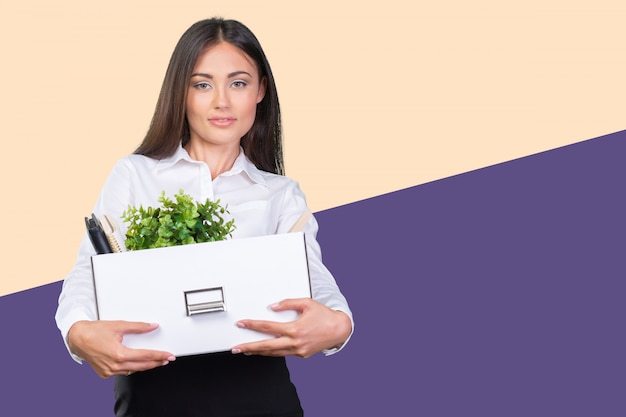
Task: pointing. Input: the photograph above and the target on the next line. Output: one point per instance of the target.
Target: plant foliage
(177, 222)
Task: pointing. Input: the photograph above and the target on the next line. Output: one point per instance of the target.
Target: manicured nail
(165, 362)
(235, 351)
(275, 305)
(171, 358)
(240, 324)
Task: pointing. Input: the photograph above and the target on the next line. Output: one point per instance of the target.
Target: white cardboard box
(197, 293)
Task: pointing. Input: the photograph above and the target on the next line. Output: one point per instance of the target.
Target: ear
(262, 89)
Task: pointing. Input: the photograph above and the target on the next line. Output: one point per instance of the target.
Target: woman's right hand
(100, 344)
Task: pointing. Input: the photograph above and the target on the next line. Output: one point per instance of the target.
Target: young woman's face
(224, 91)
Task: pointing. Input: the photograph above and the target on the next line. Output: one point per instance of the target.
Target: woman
(215, 134)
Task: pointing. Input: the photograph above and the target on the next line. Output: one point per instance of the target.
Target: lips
(222, 121)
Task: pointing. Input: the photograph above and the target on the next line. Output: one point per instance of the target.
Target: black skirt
(218, 384)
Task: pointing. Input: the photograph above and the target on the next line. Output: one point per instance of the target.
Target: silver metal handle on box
(207, 300)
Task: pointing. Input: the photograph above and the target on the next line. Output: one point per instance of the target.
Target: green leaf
(178, 221)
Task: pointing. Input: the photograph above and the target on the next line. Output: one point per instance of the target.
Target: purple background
(499, 292)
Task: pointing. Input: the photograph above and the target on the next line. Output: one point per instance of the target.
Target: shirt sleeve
(324, 287)
(77, 300)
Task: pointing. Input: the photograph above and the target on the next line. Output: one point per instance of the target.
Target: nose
(220, 99)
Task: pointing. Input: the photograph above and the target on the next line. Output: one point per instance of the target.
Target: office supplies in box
(197, 292)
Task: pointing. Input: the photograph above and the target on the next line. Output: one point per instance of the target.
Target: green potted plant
(178, 221)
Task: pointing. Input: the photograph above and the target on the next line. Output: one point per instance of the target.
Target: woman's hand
(100, 344)
(317, 328)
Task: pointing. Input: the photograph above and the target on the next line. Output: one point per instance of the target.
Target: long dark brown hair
(262, 144)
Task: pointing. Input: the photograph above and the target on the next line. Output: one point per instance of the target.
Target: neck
(219, 158)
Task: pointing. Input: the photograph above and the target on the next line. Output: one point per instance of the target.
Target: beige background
(376, 96)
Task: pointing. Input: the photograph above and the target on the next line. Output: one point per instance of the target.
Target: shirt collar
(178, 155)
(241, 164)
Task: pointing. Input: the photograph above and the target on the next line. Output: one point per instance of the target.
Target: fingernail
(171, 358)
(240, 324)
(165, 362)
(235, 351)
(275, 305)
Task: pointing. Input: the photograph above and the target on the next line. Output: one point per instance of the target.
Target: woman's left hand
(317, 328)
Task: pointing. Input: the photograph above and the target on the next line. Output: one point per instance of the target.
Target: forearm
(77, 299)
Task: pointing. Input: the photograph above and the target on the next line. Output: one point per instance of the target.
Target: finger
(273, 353)
(106, 368)
(264, 326)
(146, 355)
(286, 349)
(136, 327)
(127, 367)
(136, 360)
(298, 304)
(273, 347)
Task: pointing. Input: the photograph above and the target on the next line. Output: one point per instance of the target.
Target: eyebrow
(232, 74)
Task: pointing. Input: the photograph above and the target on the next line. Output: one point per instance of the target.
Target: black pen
(96, 235)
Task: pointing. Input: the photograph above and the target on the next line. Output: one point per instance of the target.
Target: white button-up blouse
(260, 202)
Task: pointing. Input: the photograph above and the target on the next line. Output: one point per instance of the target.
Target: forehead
(224, 57)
